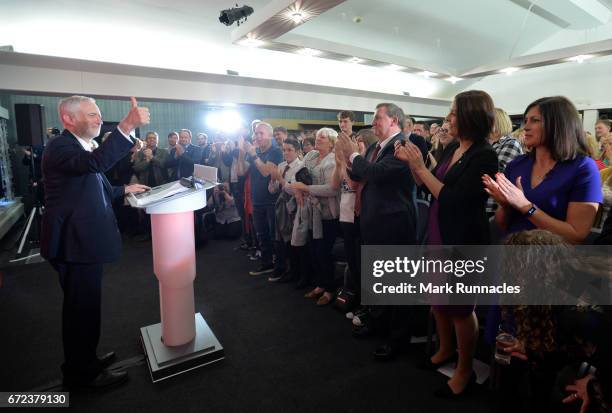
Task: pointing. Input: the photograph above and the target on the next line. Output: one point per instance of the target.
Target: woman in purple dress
(457, 217)
(556, 186)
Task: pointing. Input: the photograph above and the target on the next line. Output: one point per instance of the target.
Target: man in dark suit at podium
(79, 229)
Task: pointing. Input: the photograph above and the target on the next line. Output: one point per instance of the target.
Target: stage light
(235, 14)
(224, 121)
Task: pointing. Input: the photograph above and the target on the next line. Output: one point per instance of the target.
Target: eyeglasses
(441, 130)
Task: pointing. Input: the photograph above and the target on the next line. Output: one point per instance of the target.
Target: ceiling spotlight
(297, 16)
(251, 42)
(309, 52)
(394, 67)
(581, 58)
(427, 74)
(355, 60)
(235, 14)
(509, 70)
(453, 79)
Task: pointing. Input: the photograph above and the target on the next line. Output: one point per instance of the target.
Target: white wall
(588, 85)
(44, 74)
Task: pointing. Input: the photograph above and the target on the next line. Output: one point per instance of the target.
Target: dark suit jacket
(388, 210)
(184, 163)
(78, 223)
(462, 216)
(420, 141)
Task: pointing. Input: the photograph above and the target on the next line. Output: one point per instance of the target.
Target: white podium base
(165, 362)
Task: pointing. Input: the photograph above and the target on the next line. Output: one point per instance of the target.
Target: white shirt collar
(386, 141)
(87, 146)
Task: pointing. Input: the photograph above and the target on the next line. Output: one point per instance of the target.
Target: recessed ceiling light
(581, 58)
(427, 74)
(453, 79)
(355, 60)
(297, 16)
(251, 42)
(509, 70)
(394, 67)
(309, 52)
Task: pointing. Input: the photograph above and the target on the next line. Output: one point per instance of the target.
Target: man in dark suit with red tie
(79, 229)
(388, 209)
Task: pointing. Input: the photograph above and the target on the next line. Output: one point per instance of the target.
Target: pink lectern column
(174, 266)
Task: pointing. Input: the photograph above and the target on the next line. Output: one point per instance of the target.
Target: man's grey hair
(152, 133)
(267, 126)
(329, 133)
(71, 104)
(393, 111)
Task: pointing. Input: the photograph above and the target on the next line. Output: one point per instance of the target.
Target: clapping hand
(506, 193)
(347, 146)
(180, 150)
(410, 154)
(148, 153)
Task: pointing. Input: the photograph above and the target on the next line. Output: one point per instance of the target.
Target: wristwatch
(531, 210)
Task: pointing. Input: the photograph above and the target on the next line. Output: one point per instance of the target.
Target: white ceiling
(443, 36)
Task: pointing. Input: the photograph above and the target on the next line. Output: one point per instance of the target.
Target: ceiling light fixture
(427, 74)
(251, 42)
(309, 52)
(581, 58)
(509, 70)
(453, 79)
(355, 60)
(297, 16)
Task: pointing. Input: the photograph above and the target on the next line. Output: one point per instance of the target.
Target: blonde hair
(329, 133)
(592, 145)
(502, 125)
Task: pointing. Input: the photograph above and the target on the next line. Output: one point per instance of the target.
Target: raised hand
(148, 153)
(136, 117)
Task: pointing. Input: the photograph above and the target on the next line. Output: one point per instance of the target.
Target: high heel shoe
(427, 364)
(325, 299)
(445, 392)
(313, 294)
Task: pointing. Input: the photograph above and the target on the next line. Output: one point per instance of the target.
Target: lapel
(457, 169)
(107, 186)
(389, 147)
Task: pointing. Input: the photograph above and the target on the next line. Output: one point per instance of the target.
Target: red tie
(375, 153)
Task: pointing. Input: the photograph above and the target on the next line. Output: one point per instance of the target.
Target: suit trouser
(265, 226)
(82, 286)
(352, 250)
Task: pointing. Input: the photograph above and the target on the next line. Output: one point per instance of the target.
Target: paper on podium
(205, 178)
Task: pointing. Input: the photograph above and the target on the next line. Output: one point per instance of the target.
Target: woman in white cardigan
(321, 165)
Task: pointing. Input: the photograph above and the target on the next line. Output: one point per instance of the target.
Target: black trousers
(82, 286)
(352, 250)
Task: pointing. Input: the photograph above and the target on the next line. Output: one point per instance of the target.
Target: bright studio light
(224, 121)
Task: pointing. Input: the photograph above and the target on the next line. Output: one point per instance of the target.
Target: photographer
(228, 224)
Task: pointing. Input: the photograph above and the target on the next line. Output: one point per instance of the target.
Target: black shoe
(386, 352)
(427, 364)
(104, 380)
(262, 269)
(244, 247)
(276, 276)
(445, 392)
(107, 359)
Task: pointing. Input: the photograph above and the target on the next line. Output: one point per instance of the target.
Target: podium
(182, 341)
